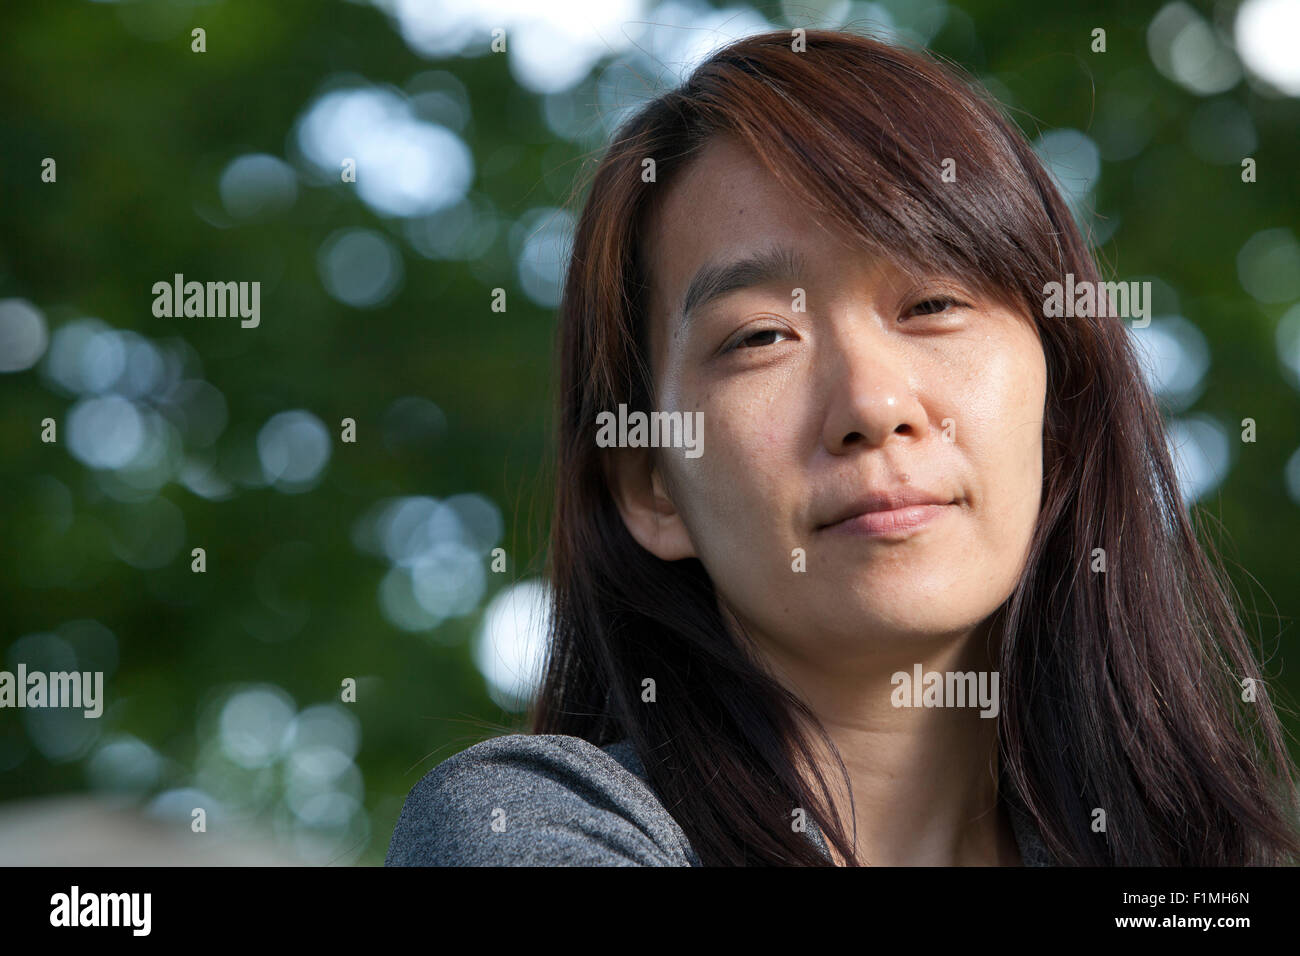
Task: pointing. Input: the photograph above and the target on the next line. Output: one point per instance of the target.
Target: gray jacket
(548, 800)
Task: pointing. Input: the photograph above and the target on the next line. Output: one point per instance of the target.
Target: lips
(884, 511)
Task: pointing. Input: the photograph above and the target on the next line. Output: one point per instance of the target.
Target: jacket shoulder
(536, 800)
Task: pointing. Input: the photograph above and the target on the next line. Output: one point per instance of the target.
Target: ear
(638, 488)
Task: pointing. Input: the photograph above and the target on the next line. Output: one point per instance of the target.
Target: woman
(918, 587)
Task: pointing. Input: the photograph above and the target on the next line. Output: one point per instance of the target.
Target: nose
(871, 393)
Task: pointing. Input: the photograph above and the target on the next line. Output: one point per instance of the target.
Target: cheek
(1004, 413)
(739, 485)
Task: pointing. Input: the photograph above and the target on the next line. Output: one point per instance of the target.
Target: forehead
(724, 205)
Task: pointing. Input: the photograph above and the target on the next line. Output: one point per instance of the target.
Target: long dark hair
(1120, 690)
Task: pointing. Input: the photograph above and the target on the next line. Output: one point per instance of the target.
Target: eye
(757, 339)
(933, 306)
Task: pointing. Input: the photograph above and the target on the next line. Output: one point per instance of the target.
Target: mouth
(889, 515)
(896, 521)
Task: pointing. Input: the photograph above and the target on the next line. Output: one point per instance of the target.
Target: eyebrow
(714, 280)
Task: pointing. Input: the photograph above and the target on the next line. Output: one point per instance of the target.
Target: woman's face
(871, 386)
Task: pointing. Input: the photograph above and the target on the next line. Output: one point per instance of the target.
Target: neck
(923, 780)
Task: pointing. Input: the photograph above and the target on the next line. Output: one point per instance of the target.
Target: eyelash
(945, 300)
(740, 343)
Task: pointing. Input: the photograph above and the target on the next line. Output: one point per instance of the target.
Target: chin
(882, 629)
